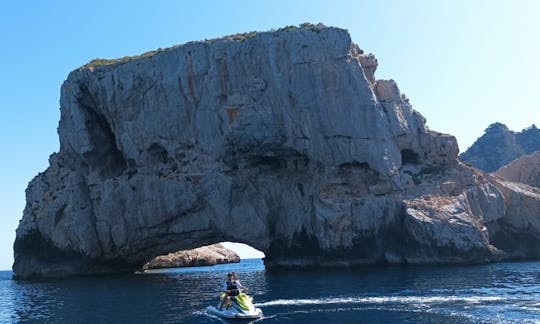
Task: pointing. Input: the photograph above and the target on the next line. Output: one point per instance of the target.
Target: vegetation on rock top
(499, 145)
(97, 62)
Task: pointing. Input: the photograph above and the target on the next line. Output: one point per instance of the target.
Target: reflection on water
(488, 293)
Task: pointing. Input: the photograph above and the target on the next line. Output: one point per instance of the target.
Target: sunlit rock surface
(525, 169)
(203, 256)
(283, 140)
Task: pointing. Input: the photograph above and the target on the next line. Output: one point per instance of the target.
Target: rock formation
(203, 256)
(499, 145)
(526, 170)
(282, 140)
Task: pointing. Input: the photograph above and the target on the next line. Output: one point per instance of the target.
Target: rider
(237, 283)
(230, 289)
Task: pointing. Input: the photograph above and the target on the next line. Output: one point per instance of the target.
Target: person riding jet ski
(230, 289)
(235, 304)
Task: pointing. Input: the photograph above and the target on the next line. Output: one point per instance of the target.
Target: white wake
(384, 300)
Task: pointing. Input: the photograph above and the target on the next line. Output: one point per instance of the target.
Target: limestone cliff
(525, 170)
(283, 140)
(203, 256)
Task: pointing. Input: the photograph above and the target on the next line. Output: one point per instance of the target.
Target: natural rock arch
(282, 140)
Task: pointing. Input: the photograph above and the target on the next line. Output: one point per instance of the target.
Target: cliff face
(203, 256)
(525, 169)
(282, 140)
(499, 145)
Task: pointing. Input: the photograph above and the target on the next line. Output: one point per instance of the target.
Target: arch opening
(208, 255)
(243, 250)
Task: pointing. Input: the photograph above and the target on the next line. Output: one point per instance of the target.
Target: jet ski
(241, 307)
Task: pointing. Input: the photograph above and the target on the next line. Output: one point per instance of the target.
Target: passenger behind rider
(230, 289)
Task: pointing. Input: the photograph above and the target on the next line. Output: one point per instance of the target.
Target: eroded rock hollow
(283, 140)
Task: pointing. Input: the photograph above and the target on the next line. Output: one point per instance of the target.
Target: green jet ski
(240, 307)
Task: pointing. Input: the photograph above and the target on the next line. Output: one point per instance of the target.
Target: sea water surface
(494, 293)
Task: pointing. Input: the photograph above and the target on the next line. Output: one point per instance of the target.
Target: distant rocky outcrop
(499, 145)
(525, 169)
(203, 256)
(283, 140)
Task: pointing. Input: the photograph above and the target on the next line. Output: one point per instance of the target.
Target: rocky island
(202, 256)
(499, 146)
(283, 140)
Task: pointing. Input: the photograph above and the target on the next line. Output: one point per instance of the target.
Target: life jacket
(233, 288)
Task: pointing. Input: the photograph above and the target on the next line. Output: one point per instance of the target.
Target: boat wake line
(385, 300)
(462, 307)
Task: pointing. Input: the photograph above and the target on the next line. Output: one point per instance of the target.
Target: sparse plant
(242, 36)
(290, 27)
(236, 37)
(101, 62)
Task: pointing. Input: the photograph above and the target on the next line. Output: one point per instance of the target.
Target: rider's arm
(239, 285)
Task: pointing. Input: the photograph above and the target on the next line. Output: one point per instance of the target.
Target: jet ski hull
(232, 313)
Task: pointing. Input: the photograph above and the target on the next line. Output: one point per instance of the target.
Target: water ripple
(497, 293)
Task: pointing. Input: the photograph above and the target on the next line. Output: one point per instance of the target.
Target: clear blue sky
(463, 64)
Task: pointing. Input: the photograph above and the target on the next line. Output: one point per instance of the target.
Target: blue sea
(494, 293)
